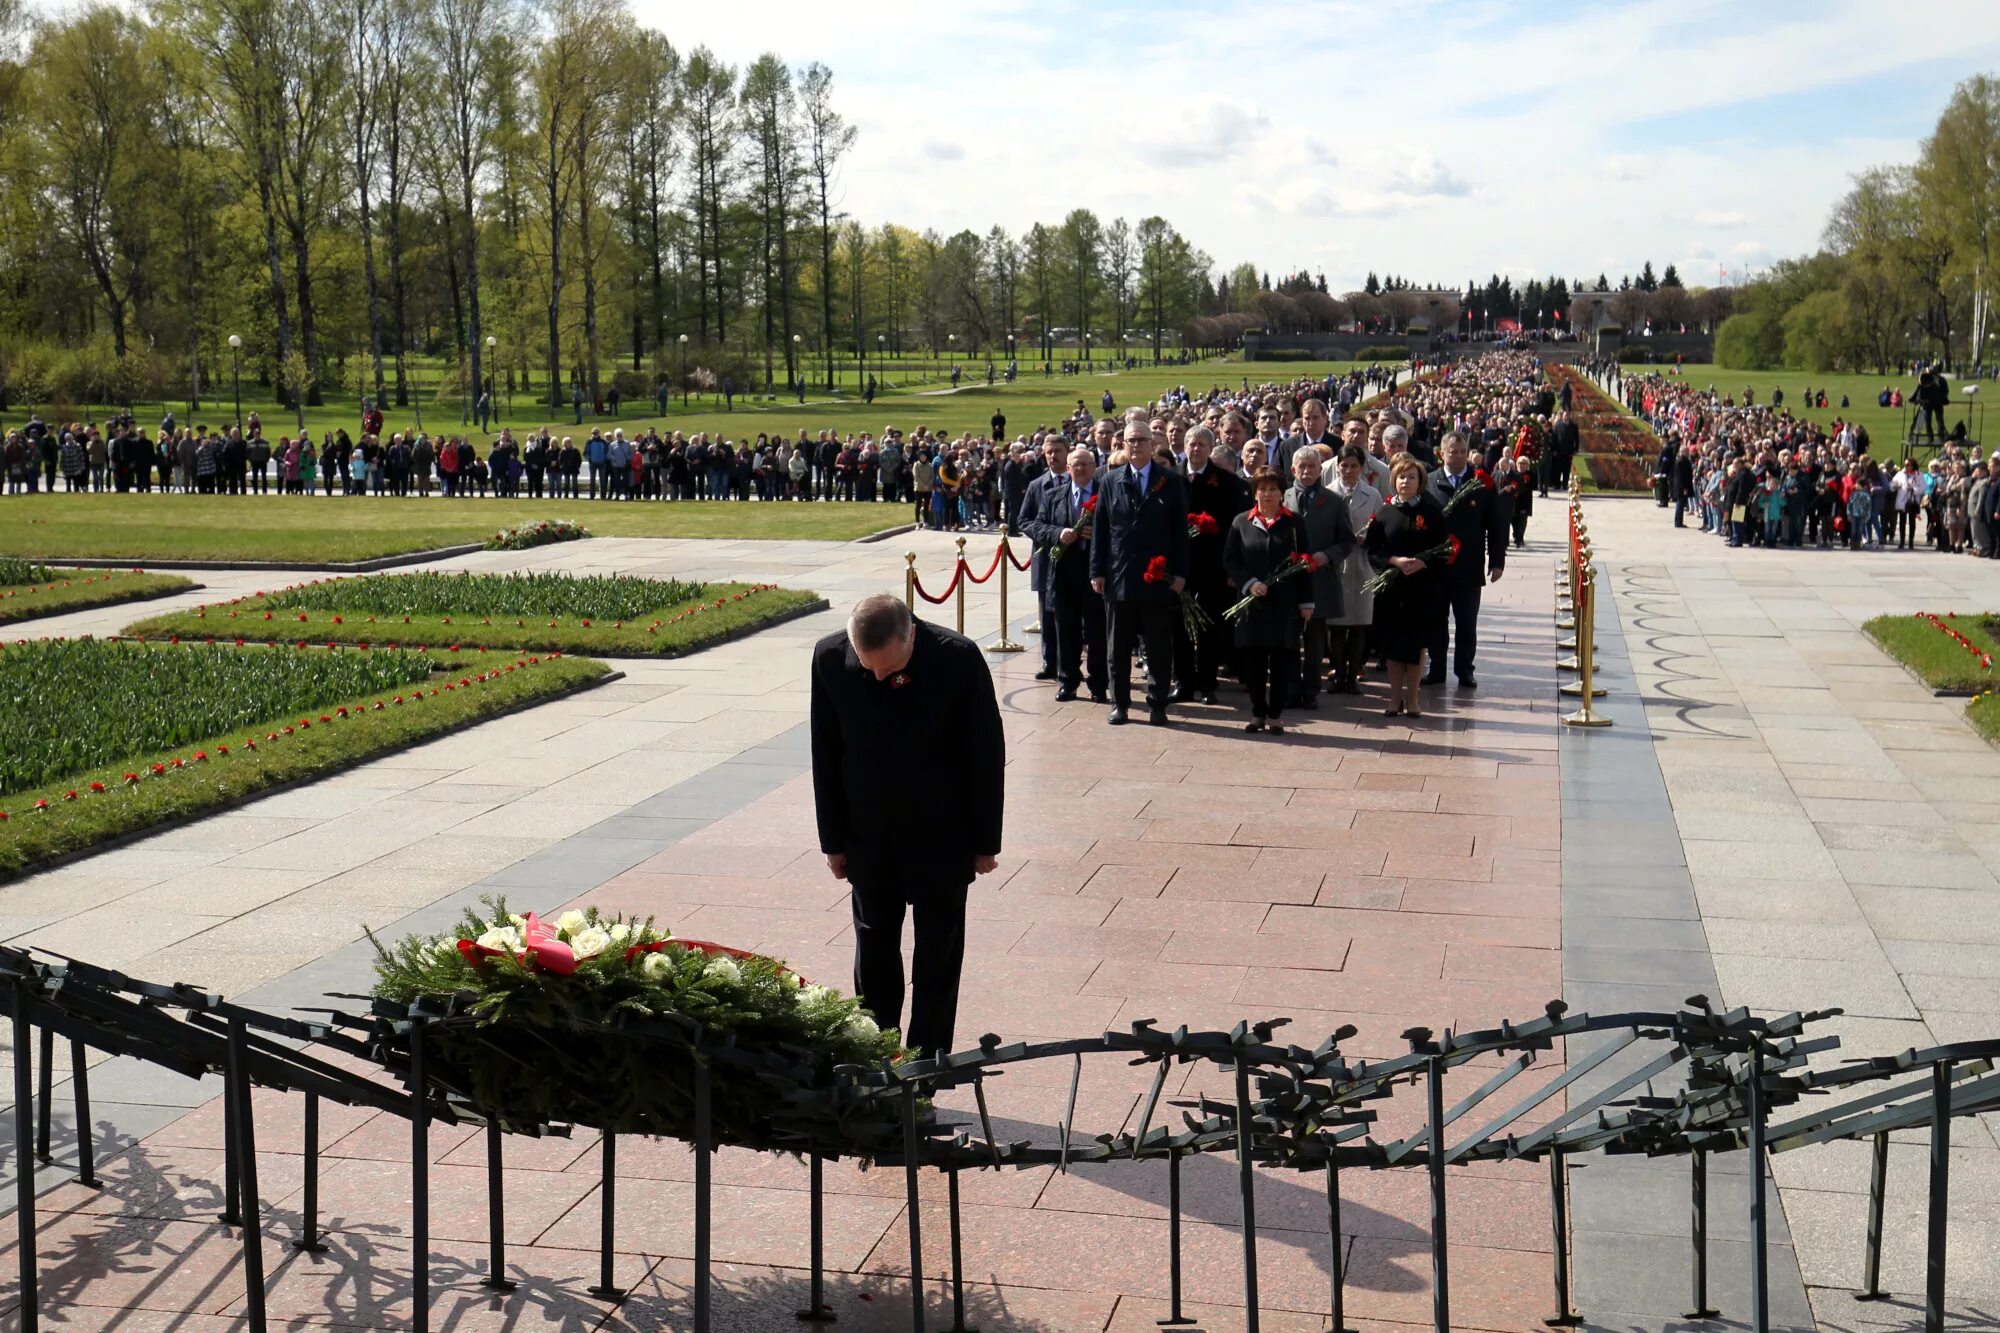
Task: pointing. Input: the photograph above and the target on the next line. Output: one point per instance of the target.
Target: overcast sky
(1441, 141)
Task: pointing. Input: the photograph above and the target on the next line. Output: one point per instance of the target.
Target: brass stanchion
(1585, 685)
(961, 585)
(910, 581)
(1003, 644)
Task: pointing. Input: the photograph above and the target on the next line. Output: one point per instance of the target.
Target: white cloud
(1517, 138)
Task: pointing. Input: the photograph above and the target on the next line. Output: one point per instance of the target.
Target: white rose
(814, 994)
(621, 933)
(571, 922)
(504, 938)
(516, 920)
(589, 942)
(862, 1028)
(724, 968)
(655, 965)
(446, 947)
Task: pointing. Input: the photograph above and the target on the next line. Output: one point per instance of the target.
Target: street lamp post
(798, 371)
(951, 348)
(684, 370)
(236, 375)
(880, 340)
(492, 373)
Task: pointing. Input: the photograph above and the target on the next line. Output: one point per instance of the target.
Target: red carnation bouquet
(1193, 615)
(1445, 552)
(1082, 526)
(1203, 525)
(1294, 566)
(1481, 481)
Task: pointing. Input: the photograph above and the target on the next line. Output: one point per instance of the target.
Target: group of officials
(1147, 554)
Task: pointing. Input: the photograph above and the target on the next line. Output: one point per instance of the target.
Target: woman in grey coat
(1349, 630)
(1328, 535)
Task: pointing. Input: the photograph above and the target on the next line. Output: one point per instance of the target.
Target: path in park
(1360, 871)
(1833, 843)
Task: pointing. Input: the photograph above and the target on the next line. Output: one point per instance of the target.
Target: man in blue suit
(1074, 607)
(1140, 528)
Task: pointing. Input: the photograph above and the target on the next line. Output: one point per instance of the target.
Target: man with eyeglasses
(1139, 565)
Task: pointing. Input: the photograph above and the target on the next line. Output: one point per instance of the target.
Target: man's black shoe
(1310, 703)
(1466, 682)
(1065, 694)
(1208, 698)
(1158, 718)
(1434, 679)
(1099, 697)
(1118, 717)
(1045, 674)
(1181, 696)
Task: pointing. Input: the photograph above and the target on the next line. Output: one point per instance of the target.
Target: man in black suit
(894, 701)
(1564, 441)
(1062, 525)
(1141, 518)
(1055, 454)
(1222, 496)
(1480, 524)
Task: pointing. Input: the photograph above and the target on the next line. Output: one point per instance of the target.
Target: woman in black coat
(1259, 545)
(1406, 611)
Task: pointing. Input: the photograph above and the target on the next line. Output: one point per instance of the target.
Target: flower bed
(539, 1007)
(28, 591)
(535, 612)
(1950, 653)
(1605, 427)
(111, 738)
(1618, 472)
(526, 535)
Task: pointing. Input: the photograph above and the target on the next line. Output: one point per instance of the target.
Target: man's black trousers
(1459, 608)
(1154, 622)
(938, 913)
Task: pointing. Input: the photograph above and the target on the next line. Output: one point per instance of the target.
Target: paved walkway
(1834, 823)
(1356, 871)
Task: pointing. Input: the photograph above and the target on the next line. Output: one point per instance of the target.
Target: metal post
(962, 571)
(1760, 1275)
(496, 1212)
(910, 581)
(230, 1184)
(817, 1312)
(30, 1312)
(910, 1206)
(1174, 1317)
(1559, 1224)
(1698, 1236)
(1338, 1242)
(309, 1240)
(1934, 1247)
(958, 1324)
(47, 1107)
(1004, 644)
(607, 1288)
(704, 1184)
(1246, 1187)
(1878, 1189)
(1440, 1263)
(420, 1184)
(1585, 685)
(79, 1083)
(246, 1145)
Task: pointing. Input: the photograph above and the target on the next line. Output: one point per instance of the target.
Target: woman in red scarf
(1263, 555)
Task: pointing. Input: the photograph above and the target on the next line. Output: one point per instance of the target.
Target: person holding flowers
(1061, 523)
(1472, 512)
(1329, 539)
(1401, 543)
(1267, 558)
(1139, 565)
(1348, 630)
(1215, 498)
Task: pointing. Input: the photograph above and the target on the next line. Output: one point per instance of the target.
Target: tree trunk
(274, 261)
(374, 289)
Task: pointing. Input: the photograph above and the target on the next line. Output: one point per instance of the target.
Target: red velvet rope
(950, 588)
(1008, 547)
(990, 569)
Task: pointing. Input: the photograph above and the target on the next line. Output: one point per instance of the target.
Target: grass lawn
(27, 592)
(620, 617)
(1886, 425)
(308, 530)
(110, 772)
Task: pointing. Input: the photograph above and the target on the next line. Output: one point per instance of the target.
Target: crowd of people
(1756, 475)
(1249, 535)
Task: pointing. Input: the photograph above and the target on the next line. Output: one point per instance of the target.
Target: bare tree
(828, 138)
